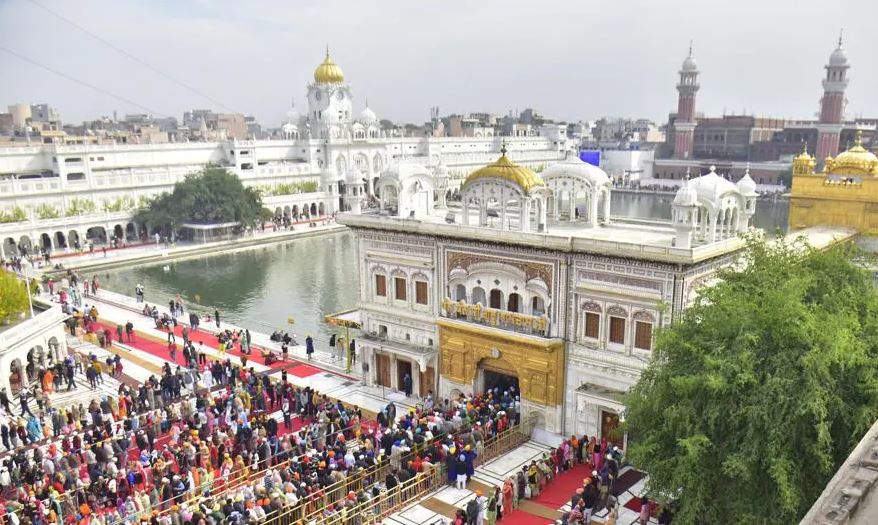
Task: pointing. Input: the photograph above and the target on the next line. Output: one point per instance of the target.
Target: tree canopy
(13, 297)
(761, 389)
(212, 196)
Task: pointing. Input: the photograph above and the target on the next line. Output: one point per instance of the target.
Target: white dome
(686, 196)
(711, 187)
(838, 57)
(689, 64)
(747, 186)
(368, 116)
(288, 128)
(293, 115)
(574, 166)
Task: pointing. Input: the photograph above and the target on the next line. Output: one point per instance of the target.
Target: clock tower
(329, 101)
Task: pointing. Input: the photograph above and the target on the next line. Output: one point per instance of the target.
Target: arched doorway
(497, 375)
(73, 239)
(313, 209)
(46, 241)
(118, 232)
(55, 350)
(10, 247)
(496, 299)
(130, 232)
(96, 234)
(321, 210)
(479, 296)
(60, 240)
(17, 380)
(25, 246)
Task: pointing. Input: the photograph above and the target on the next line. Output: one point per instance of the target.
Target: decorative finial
(858, 138)
(327, 51)
(712, 168)
(503, 148)
(840, 37)
(691, 47)
(367, 102)
(292, 102)
(747, 169)
(688, 172)
(804, 148)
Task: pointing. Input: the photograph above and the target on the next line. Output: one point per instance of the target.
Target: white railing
(43, 320)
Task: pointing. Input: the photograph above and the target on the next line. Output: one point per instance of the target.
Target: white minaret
(747, 187)
(440, 184)
(684, 213)
(329, 180)
(353, 191)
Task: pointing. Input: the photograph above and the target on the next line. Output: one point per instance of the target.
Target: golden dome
(328, 72)
(855, 161)
(503, 168)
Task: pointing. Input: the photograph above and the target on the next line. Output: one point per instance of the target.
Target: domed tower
(353, 191)
(832, 103)
(684, 124)
(684, 214)
(329, 178)
(329, 100)
(747, 186)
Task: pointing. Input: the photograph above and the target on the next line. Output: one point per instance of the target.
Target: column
(606, 207)
(464, 219)
(524, 219)
(593, 209)
(572, 206)
(483, 214)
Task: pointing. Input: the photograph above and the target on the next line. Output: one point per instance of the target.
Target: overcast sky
(569, 60)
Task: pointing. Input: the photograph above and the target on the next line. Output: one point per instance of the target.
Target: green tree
(47, 211)
(209, 197)
(762, 388)
(13, 297)
(16, 214)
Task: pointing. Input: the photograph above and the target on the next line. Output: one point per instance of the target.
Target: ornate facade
(845, 193)
(330, 159)
(531, 281)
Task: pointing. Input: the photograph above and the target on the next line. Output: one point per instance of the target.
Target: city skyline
(270, 52)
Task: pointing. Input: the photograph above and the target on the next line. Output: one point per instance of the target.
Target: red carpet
(559, 491)
(210, 340)
(634, 504)
(147, 345)
(520, 517)
(304, 370)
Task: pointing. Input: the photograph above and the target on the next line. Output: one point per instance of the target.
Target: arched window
(479, 296)
(514, 303)
(537, 306)
(496, 298)
(460, 293)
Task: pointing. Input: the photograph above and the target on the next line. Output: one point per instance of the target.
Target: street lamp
(26, 271)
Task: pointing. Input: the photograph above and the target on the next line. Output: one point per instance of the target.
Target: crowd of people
(189, 447)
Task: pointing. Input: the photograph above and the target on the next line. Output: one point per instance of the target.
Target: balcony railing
(503, 319)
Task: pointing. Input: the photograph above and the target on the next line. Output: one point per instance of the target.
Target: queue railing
(314, 510)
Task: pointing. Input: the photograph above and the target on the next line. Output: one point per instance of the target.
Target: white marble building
(77, 192)
(532, 280)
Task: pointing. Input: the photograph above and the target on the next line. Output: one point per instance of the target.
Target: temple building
(844, 193)
(530, 282)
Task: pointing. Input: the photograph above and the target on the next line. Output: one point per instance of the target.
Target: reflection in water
(258, 288)
(770, 216)
(309, 278)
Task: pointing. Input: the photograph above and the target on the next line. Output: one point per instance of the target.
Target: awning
(420, 354)
(346, 319)
(608, 397)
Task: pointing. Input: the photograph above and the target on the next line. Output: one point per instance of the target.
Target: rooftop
(622, 237)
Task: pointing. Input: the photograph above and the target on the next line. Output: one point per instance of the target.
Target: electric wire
(131, 56)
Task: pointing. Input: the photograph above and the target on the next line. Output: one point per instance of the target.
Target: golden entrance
(475, 355)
